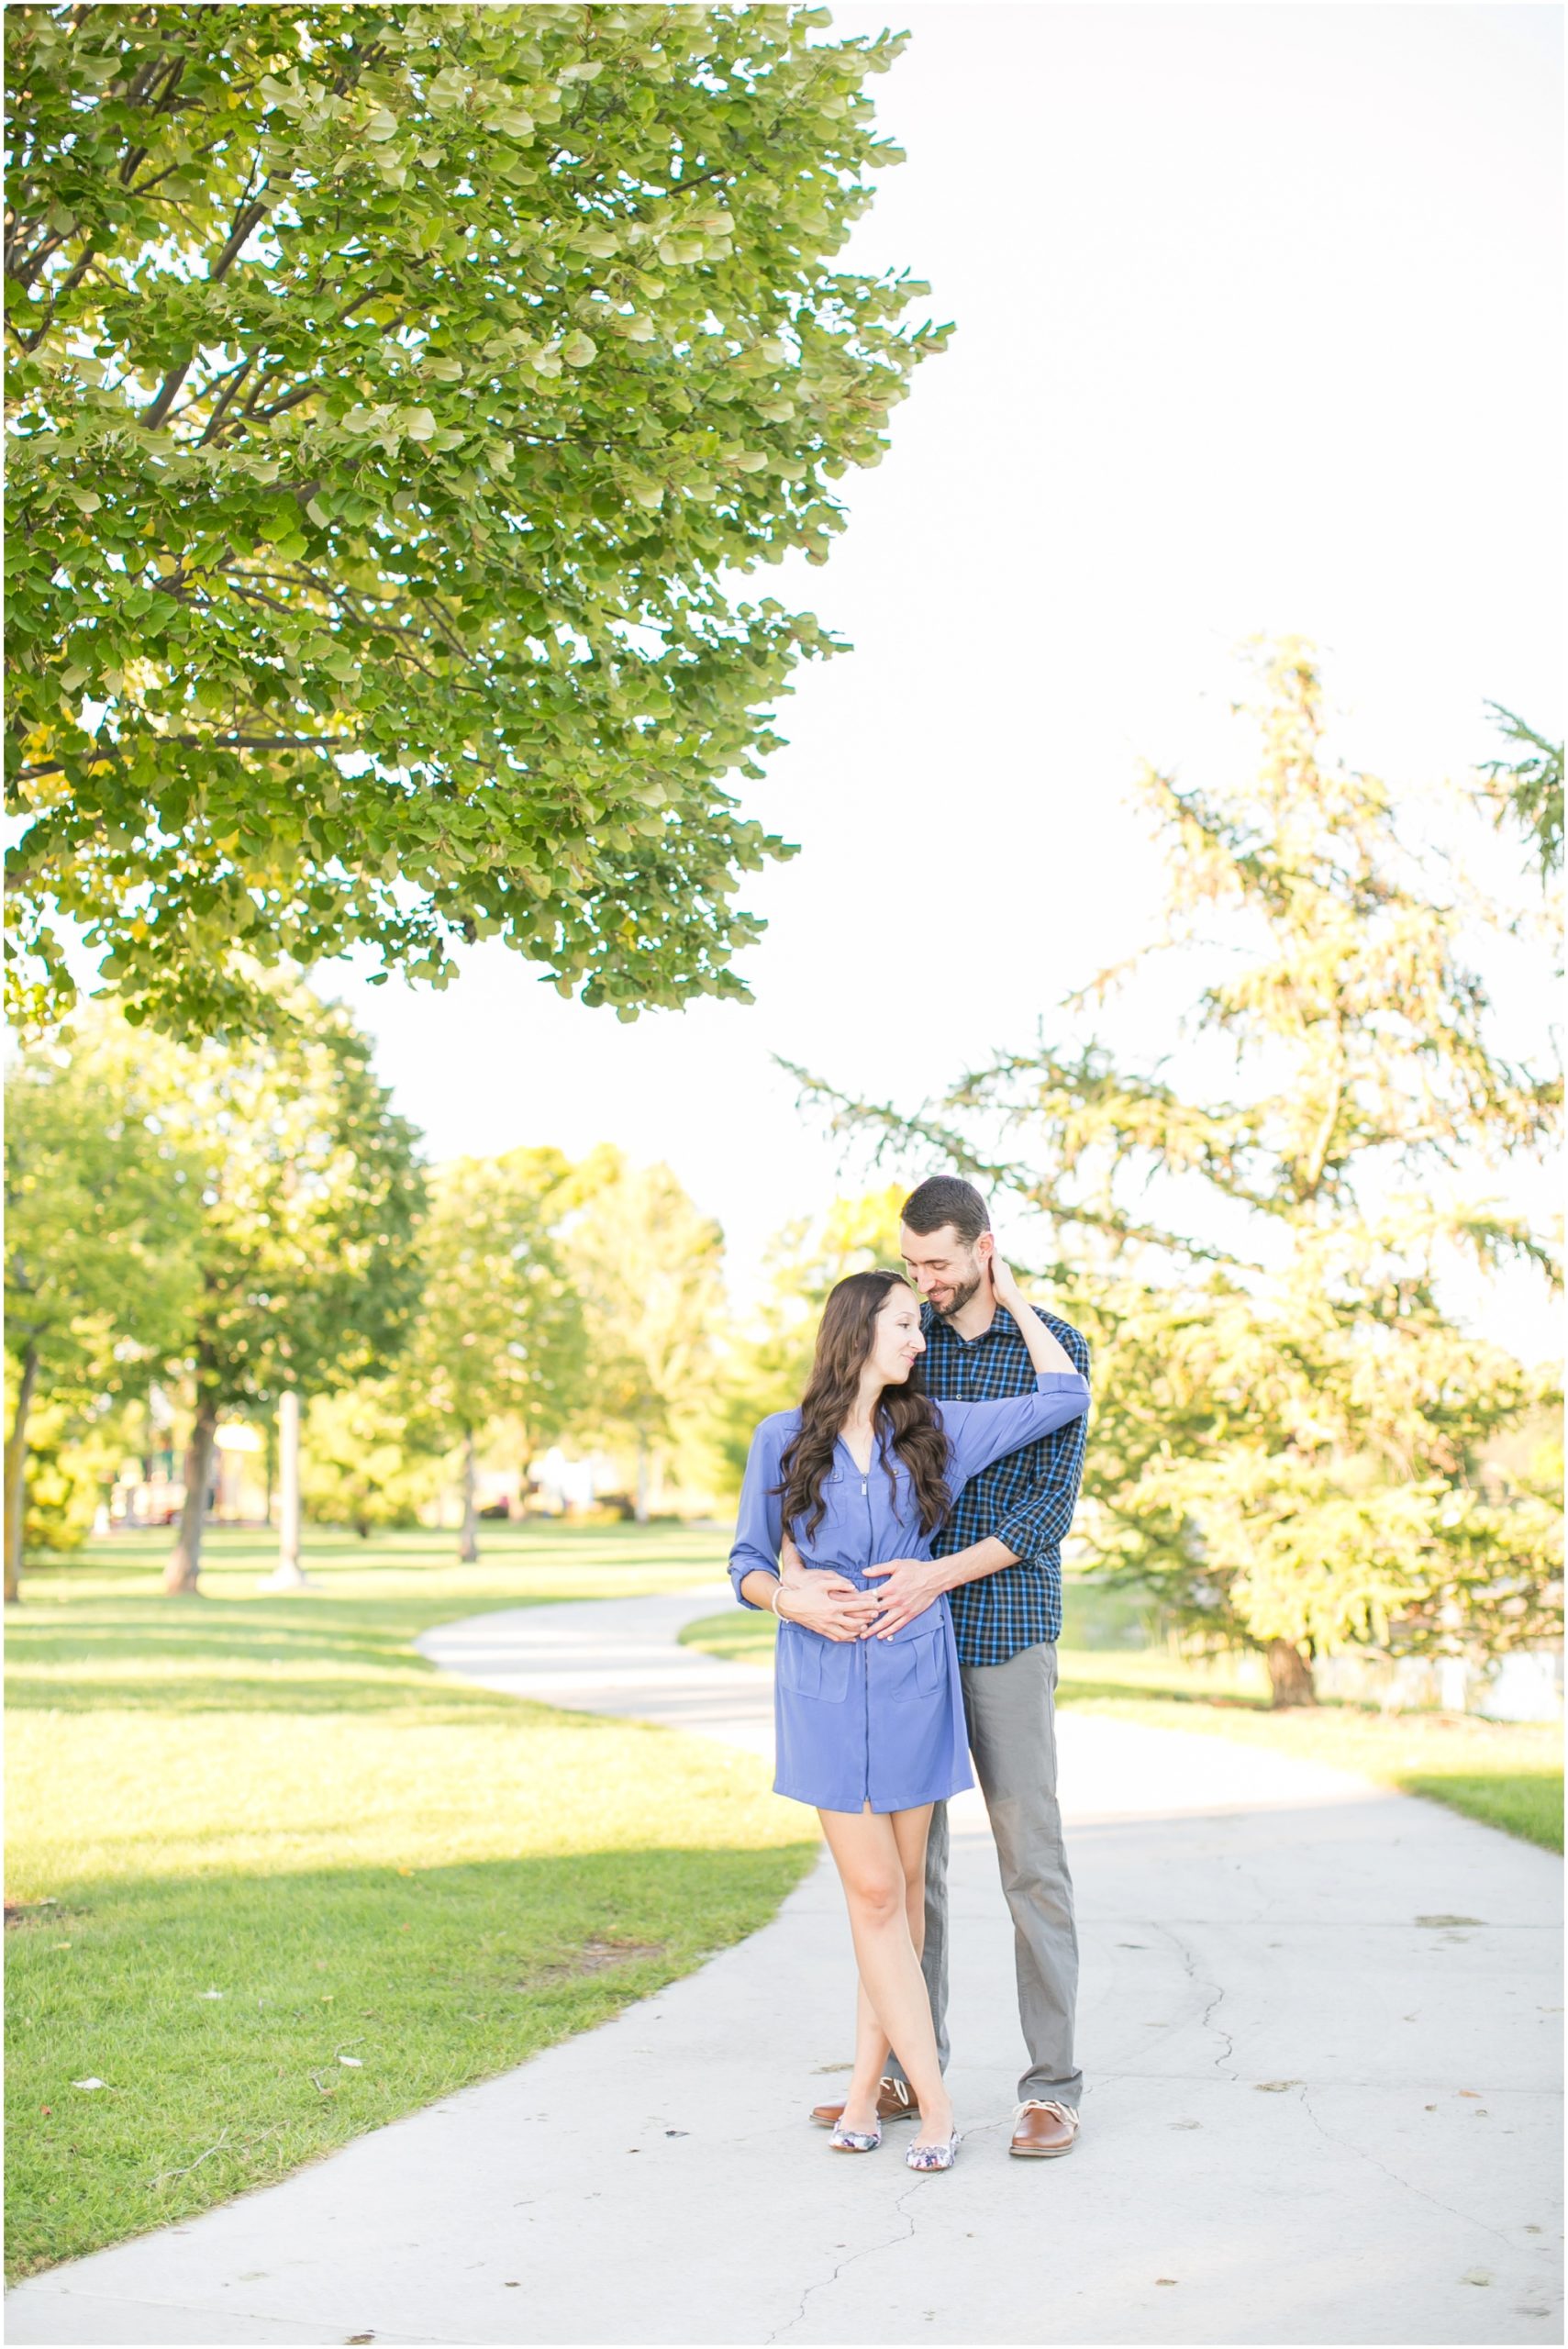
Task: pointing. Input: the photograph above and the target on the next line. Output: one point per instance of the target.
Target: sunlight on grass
(275, 1800)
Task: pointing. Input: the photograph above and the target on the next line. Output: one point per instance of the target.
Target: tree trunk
(642, 1480)
(468, 1547)
(1290, 1674)
(16, 1473)
(182, 1573)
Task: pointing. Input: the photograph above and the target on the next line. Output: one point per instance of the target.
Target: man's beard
(962, 1292)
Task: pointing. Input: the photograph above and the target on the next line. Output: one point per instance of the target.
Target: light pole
(288, 1574)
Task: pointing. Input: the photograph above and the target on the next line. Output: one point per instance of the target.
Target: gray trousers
(1010, 1710)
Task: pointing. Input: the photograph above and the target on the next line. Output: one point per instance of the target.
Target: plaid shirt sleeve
(1039, 1517)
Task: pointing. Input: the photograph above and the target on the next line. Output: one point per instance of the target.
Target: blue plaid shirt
(1026, 1499)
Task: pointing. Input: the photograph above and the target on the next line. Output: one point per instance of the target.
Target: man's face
(944, 1268)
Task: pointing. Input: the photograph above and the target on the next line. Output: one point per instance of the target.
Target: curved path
(1319, 2024)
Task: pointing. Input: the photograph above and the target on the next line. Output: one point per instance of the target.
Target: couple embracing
(937, 1449)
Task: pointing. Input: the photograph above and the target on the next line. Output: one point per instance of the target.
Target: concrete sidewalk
(1319, 2023)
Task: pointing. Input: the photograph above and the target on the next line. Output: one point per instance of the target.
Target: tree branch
(150, 418)
(99, 756)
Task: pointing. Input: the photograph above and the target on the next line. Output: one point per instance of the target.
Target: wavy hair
(905, 1417)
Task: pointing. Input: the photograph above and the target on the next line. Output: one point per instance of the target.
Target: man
(999, 1556)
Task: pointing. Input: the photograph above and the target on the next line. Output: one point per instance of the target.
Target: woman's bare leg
(870, 1854)
(910, 1829)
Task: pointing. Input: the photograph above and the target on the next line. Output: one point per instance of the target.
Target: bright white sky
(1257, 330)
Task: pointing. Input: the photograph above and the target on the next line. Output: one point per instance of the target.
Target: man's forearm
(987, 1557)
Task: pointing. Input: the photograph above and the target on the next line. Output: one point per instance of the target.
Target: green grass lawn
(275, 1881)
(1508, 1774)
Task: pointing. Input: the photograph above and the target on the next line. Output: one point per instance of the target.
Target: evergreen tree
(1294, 1433)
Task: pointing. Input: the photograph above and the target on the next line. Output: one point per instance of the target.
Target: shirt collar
(933, 1326)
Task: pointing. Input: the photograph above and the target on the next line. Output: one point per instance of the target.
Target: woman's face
(898, 1341)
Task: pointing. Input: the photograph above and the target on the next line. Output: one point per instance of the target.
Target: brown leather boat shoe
(895, 2101)
(1042, 2128)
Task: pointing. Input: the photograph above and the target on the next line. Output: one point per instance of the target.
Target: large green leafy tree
(102, 1211)
(396, 394)
(311, 1193)
(498, 1340)
(1295, 1436)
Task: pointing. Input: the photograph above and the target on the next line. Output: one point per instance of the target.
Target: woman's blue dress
(878, 1722)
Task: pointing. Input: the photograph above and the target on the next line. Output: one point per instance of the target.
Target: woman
(871, 1732)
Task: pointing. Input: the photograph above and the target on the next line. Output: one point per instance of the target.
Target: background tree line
(226, 1221)
(1300, 1443)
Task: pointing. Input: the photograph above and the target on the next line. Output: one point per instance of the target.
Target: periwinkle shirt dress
(878, 1722)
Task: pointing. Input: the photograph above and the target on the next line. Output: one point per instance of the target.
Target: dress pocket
(915, 1668)
(809, 1666)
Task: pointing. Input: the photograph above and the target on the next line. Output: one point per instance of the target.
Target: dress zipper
(865, 1660)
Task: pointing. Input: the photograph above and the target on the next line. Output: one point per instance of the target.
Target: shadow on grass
(431, 1982)
(187, 1657)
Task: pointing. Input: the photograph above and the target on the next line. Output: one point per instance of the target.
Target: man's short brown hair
(946, 1198)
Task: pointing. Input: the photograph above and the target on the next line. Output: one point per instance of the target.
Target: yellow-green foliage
(359, 1463)
(767, 1369)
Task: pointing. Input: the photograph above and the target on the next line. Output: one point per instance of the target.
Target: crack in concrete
(1205, 2022)
(891, 2244)
(1450, 2209)
(984, 2129)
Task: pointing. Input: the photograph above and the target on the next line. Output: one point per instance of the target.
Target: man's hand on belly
(906, 1588)
(909, 1584)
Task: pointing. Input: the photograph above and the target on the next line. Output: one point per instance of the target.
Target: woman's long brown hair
(905, 1417)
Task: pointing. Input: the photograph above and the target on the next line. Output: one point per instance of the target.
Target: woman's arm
(755, 1551)
(1046, 1352)
(765, 1567)
(979, 1434)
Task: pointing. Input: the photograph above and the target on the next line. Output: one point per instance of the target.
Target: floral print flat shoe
(942, 2156)
(855, 2140)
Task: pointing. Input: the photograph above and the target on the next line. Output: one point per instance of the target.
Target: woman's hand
(1046, 1351)
(839, 1613)
(1005, 1288)
(822, 1601)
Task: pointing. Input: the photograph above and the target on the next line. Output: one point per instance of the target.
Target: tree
(648, 1264)
(101, 1219)
(398, 391)
(1527, 790)
(499, 1336)
(767, 1370)
(311, 1195)
(1294, 1434)
(366, 1458)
